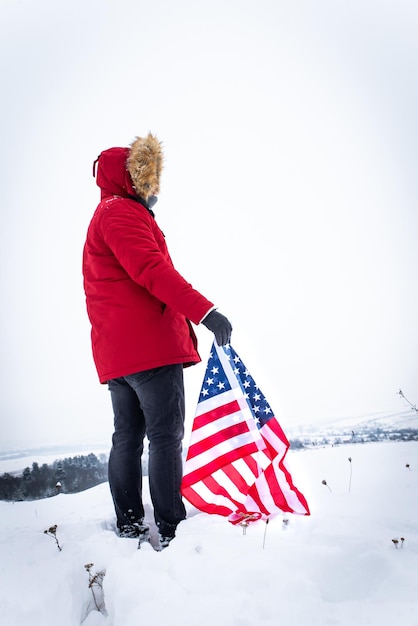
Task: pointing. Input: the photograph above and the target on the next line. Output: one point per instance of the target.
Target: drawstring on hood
(94, 166)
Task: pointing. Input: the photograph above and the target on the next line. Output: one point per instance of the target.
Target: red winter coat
(138, 304)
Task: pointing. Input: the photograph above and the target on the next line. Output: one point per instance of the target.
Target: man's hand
(220, 326)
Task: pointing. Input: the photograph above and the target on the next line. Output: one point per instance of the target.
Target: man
(139, 307)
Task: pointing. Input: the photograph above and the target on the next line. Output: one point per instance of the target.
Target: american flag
(236, 464)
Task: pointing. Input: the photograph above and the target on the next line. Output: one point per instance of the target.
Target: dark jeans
(148, 403)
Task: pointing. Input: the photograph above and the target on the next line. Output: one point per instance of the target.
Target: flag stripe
(219, 489)
(232, 455)
(221, 450)
(219, 424)
(216, 413)
(229, 433)
(205, 505)
(238, 475)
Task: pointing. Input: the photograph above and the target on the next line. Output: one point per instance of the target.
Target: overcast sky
(289, 195)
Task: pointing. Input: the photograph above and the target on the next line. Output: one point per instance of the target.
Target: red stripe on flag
(277, 494)
(274, 490)
(215, 487)
(300, 497)
(219, 437)
(237, 478)
(269, 432)
(194, 498)
(253, 466)
(215, 414)
(275, 427)
(253, 493)
(218, 463)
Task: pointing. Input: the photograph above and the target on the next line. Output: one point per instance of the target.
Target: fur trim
(145, 162)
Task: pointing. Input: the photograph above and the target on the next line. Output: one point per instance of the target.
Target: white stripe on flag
(211, 498)
(206, 406)
(218, 450)
(224, 480)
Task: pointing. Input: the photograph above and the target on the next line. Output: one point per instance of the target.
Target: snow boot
(135, 530)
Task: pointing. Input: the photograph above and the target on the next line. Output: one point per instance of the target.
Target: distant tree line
(69, 475)
(296, 444)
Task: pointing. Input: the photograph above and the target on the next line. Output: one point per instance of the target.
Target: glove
(220, 326)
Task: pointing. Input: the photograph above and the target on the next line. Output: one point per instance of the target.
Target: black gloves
(220, 326)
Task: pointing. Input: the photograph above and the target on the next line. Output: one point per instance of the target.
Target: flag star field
(216, 381)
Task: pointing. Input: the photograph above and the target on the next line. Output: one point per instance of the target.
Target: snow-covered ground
(338, 567)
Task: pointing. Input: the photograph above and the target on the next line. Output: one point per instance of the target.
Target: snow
(338, 567)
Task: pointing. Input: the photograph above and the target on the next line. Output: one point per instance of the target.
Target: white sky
(289, 194)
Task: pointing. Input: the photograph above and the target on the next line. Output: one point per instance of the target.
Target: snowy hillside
(398, 426)
(338, 567)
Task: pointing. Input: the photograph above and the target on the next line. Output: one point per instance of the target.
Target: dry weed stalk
(52, 532)
(96, 582)
(351, 473)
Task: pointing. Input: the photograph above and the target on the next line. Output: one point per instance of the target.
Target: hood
(112, 176)
(133, 171)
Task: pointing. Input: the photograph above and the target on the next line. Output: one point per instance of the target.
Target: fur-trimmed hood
(131, 171)
(145, 162)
